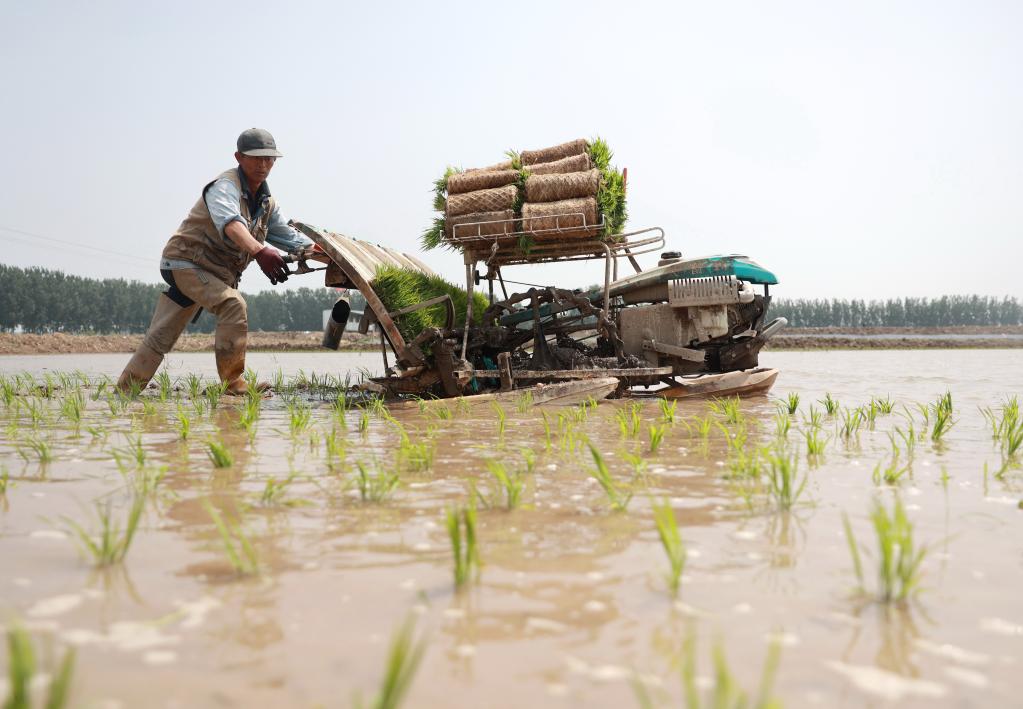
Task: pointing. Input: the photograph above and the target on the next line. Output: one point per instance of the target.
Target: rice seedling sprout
(219, 453)
(111, 544)
(238, 549)
(671, 542)
(461, 523)
(618, 497)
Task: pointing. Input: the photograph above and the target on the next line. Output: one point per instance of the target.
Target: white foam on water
(454, 613)
(422, 546)
(195, 612)
(742, 608)
(465, 650)
(1003, 500)
(22, 582)
(1000, 626)
(951, 652)
(407, 584)
(544, 625)
(48, 534)
(970, 678)
(783, 639)
(887, 685)
(594, 607)
(55, 605)
(744, 534)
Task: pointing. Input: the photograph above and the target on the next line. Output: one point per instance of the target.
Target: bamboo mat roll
(578, 215)
(480, 180)
(574, 163)
(563, 185)
(555, 152)
(492, 200)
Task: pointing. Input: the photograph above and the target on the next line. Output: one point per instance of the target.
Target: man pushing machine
(229, 227)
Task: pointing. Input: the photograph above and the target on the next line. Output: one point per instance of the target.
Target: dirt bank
(63, 343)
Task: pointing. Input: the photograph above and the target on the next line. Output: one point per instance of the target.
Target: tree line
(900, 312)
(41, 300)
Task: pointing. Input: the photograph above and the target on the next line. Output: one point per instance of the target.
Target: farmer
(202, 263)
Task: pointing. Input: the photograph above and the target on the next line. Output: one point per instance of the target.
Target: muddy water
(571, 604)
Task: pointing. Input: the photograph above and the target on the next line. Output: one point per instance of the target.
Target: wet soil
(65, 343)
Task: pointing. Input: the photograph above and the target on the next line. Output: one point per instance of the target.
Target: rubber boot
(140, 369)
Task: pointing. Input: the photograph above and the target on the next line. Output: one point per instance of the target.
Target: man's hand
(269, 259)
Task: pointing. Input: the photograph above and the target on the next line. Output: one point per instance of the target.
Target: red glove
(269, 259)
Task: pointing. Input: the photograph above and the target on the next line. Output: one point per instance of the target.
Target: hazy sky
(856, 149)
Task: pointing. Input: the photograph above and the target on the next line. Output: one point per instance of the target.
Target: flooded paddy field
(282, 544)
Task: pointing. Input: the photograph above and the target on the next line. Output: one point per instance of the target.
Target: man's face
(255, 168)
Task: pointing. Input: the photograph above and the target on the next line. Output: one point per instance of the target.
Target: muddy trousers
(190, 289)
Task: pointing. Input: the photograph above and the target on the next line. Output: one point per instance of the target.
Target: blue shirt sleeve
(223, 200)
(283, 236)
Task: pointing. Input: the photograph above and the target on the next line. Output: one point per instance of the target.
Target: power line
(116, 254)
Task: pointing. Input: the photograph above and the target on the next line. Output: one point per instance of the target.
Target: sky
(857, 150)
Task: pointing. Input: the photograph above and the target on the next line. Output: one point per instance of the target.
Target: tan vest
(197, 239)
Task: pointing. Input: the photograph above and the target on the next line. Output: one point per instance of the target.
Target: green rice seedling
(34, 448)
(112, 543)
(148, 408)
(164, 386)
(671, 541)
(782, 424)
(441, 412)
(898, 557)
(213, 393)
(461, 522)
(378, 408)
(417, 456)
(529, 458)
(131, 457)
(656, 437)
(147, 480)
(299, 418)
(616, 495)
(943, 421)
(35, 410)
(908, 438)
(890, 473)
(815, 420)
(628, 420)
(377, 487)
(238, 549)
(869, 411)
(363, 421)
(248, 413)
(336, 448)
(71, 408)
(635, 462)
(852, 419)
(462, 406)
(703, 427)
(403, 660)
(668, 410)
(8, 392)
(182, 422)
(274, 491)
(792, 403)
(784, 483)
(815, 442)
(944, 402)
(502, 418)
(925, 413)
(547, 437)
(193, 383)
(5, 481)
(725, 690)
(727, 408)
(524, 402)
(22, 667)
(830, 404)
(885, 405)
(746, 463)
(510, 482)
(218, 453)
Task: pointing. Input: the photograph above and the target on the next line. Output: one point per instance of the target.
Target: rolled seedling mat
(480, 180)
(493, 200)
(563, 185)
(472, 226)
(555, 152)
(506, 165)
(577, 215)
(575, 163)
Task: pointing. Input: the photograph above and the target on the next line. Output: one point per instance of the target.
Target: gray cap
(258, 143)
